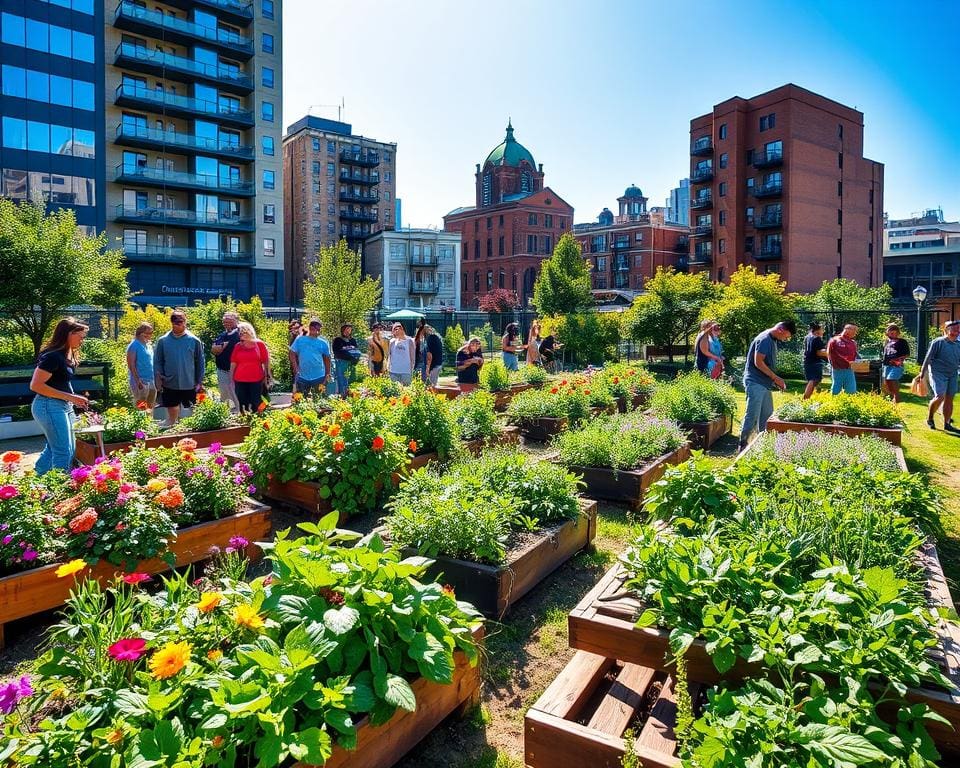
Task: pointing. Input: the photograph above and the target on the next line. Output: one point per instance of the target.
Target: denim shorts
(943, 385)
(892, 372)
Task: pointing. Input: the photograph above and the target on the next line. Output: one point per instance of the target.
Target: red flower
(201, 396)
(266, 425)
(554, 391)
(142, 405)
(136, 578)
(338, 446)
(412, 446)
(378, 443)
(84, 521)
(128, 649)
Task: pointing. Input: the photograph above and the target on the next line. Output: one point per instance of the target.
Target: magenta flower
(215, 447)
(127, 649)
(153, 468)
(12, 693)
(8, 492)
(251, 489)
(220, 460)
(30, 554)
(140, 434)
(100, 460)
(80, 474)
(136, 578)
(238, 542)
(7, 539)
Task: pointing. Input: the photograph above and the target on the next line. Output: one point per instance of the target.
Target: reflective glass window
(269, 180)
(83, 95)
(268, 145)
(60, 40)
(61, 137)
(14, 81)
(267, 43)
(83, 47)
(84, 143)
(83, 6)
(14, 30)
(38, 136)
(14, 133)
(267, 77)
(38, 86)
(267, 9)
(38, 37)
(61, 91)
(267, 111)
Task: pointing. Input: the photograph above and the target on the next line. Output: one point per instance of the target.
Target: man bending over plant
(760, 379)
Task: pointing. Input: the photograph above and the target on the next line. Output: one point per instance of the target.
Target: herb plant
(494, 376)
(209, 413)
(822, 449)
(473, 415)
(619, 442)
(694, 398)
(863, 409)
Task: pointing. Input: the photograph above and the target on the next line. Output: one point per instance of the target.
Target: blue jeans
(510, 361)
(342, 374)
(55, 418)
(844, 380)
(759, 409)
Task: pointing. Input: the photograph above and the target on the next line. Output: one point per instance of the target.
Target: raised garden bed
(581, 717)
(542, 429)
(705, 433)
(503, 397)
(506, 436)
(628, 485)
(897, 451)
(893, 436)
(87, 452)
(604, 623)
(381, 746)
(625, 404)
(449, 391)
(493, 589)
(30, 592)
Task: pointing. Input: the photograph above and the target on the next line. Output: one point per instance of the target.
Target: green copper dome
(510, 152)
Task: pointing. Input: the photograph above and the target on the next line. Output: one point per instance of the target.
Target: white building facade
(420, 268)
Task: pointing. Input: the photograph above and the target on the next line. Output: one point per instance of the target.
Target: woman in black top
(469, 363)
(55, 399)
(814, 354)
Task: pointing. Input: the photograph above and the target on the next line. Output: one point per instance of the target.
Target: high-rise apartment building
(419, 267)
(160, 125)
(336, 185)
(779, 182)
(678, 204)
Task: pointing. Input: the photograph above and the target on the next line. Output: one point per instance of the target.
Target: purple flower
(25, 687)
(214, 550)
(140, 434)
(215, 447)
(4, 526)
(229, 550)
(251, 489)
(100, 459)
(30, 554)
(11, 693)
(80, 474)
(7, 539)
(220, 460)
(239, 542)
(237, 480)
(153, 468)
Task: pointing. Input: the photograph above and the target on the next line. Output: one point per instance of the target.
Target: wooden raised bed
(448, 391)
(705, 433)
(893, 436)
(87, 452)
(381, 746)
(632, 403)
(542, 429)
(581, 717)
(30, 592)
(493, 589)
(897, 451)
(604, 623)
(503, 397)
(506, 436)
(628, 485)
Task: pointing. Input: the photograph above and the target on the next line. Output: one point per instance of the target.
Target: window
(722, 245)
(723, 131)
(839, 245)
(388, 176)
(386, 197)
(750, 183)
(870, 199)
(267, 77)
(839, 130)
(502, 279)
(266, 9)
(38, 136)
(723, 189)
(748, 244)
(489, 222)
(513, 281)
(269, 180)
(489, 248)
(267, 145)
(267, 43)
(501, 216)
(749, 157)
(749, 214)
(269, 213)
(316, 145)
(548, 220)
(15, 81)
(476, 280)
(266, 111)
(330, 169)
(532, 219)
(768, 122)
(489, 279)
(871, 223)
(14, 29)
(500, 248)
(476, 249)
(331, 147)
(723, 160)
(269, 246)
(315, 167)
(723, 218)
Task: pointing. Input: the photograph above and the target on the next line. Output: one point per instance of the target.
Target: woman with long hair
(250, 369)
(469, 363)
(378, 351)
(143, 388)
(533, 344)
(511, 347)
(54, 401)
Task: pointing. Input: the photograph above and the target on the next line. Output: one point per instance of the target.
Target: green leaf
(842, 746)
(255, 704)
(647, 619)
(341, 620)
(724, 658)
(363, 698)
(214, 721)
(312, 746)
(400, 694)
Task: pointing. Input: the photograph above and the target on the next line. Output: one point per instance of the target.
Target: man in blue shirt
(222, 348)
(310, 360)
(941, 363)
(760, 379)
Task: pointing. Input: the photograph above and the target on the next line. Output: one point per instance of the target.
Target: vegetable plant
(619, 442)
(473, 415)
(694, 398)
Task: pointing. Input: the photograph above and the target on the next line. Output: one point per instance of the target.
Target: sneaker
(741, 446)
(931, 424)
(948, 426)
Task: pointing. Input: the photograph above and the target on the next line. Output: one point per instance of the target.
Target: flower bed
(843, 414)
(505, 436)
(826, 451)
(630, 384)
(542, 413)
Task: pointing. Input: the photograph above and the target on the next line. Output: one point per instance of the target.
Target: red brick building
(512, 227)
(627, 249)
(779, 182)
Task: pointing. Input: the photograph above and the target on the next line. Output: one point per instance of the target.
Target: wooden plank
(892, 436)
(569, 691)
(628, 485)
(87, 453)
(657, 733)
(622, 701)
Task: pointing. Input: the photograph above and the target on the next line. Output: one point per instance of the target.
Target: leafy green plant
(626, 379)
(494, 377)
(619, 442)
(693, 398)
(534, 374)
(208, 414)
(831, 452)
(562, 399)
(473, 415)
(863, 409)
(424, 418)
(453, 339)
(121, 424)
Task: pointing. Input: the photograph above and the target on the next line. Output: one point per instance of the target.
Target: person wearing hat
(378, 349)
(346, 353)
(310, 361)
(941, 363)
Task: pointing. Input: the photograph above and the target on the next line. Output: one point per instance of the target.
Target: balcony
(702, 202)
(353, 215)
(682, 245)
(359, 178)
(621, 282)
(161, 64)
(234, 11)
(620, 245)
(184, 143)
(701, 174)
(424, 287)
(701, 256)
(683, 263)
(161, 254)
(177, 217)
(156, 24)
(701, 147)
(702, 230)
(366, 199)
(146, 176)
(769, 252)
(621, 265)
(770, 189)
(422, 261)
(768, 220)
(764, 159)
(175, 105)
(363, 159)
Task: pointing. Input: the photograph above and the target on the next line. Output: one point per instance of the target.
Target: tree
(587, 337)
(668, 311)
(453, 339)
(48, 265)
(337, 292)
(750, 303)
(842, 301)
(499, 300)
(563, 285)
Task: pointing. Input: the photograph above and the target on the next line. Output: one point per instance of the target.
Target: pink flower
(220, 460)
(136, 578)
(215, 447)
(30, 554)
(11, 693)
(128, 649)
(8, 492)
(80, 474)
(238, 542)
(127, 488)
(7, 539)
(153, 468)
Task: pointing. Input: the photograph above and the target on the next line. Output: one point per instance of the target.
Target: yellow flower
(247, 616)
(169, 660)
(209, 601)
(215, 655)
(156, 484)
(68, 569)
(115, 737)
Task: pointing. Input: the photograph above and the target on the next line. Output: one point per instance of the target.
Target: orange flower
(11, 457)
(346, 416)
(114, 737)
(563, 383)
(208, 601)
(586, 391)
(297, 419)
(378, 443)
(188, 457)
(554, 390)
(187, 445)
(217, 741)
(333, 430)
(338, 446)
(142, 405)
(215, 655)
(405, 400)
(201, 396)
(412, 446)
(247, 616)
(262, 407)
(170, 498)
(169, 660)
(307, 433)
(297, 397)
(616, 379)
(84, 521)
(393, 401)
(266, 425)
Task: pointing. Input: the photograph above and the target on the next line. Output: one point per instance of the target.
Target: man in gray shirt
(178, 367)
(941, 363)
(759, 378)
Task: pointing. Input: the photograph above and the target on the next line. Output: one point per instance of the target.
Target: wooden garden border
(628, 485)
(87, 452)
(703, 434)
(542, 429)
(506, 436)
(893, 436)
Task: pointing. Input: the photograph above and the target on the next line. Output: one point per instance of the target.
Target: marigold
(84, 521)
(11, 457)
(215, 654)
(187, 444)
(296, 397)
(170, 498)
(405, 400)
(307, 433)
(338, 446)
(69, 569)
(201, 396)
(378, 443)
(616, 379)
(412, 445)
(554, 390)
(155, 485)
(114, 737)
(262, 407)
(333, 430)
(346, 416)
(169, 660)
(247, 616)
(266, 425)
(208, 601)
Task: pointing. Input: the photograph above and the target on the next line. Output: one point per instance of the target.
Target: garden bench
(92, 379)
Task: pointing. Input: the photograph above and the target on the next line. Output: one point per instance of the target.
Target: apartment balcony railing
(702, 202)
(142, 59)
(422, 261)
(177, 217)
(144, 175)
(135, 95)
(620, 245)
(621, 265)
(768, 220)
(157, 24)
(366, 198)
(363, 159)
(683, 262)
(702, 146)
(184, 143)
(237, 12)
(702, 230)
(763, 158)
(701, 174)
(770, 189)
(769, 252)
(424, 287)
(701, 256)
(348, 215)
(682, 245)
(359, 178)
(159, 253)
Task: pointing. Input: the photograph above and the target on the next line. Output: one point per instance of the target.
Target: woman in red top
(250, 369)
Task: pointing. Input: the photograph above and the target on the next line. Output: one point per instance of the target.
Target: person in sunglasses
(179, 367)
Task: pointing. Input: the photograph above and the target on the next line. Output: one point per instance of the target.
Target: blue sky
(602, 92)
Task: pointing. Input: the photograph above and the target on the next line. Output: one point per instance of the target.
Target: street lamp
(919, 296)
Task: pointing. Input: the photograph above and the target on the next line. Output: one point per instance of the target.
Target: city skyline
(603, 94)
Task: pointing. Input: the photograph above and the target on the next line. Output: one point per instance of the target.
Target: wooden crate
(493, 589)
(704, 434)
(30, 592)
(87, 453)
(628, 485)
(543, 429)
(580, 719)
(381, 746)
(893, 436)
(506, 436)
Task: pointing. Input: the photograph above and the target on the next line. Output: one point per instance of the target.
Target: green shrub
(533, 374)
(619, 442)
(494, 377)
(864, 409)
(694, 398)
(207, 415)
(473, 415)
(554, 403)
(453, 339)
(789, 364)
(424, 417)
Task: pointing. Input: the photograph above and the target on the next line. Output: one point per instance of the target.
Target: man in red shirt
(841, 351)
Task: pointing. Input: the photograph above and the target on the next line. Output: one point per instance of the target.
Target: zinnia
(201, 396)
(135, 578)
(209, 601)
(338, 446)
(333, 430)
(155, 485)
(247, 616)
(84, 521)
(405, 400)
(8, 492)
(69, 569)
(11, 457)
(169, 660)
(127, 649)
(378, 443)
(412, 446)
(170, 498)
(346, 416)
